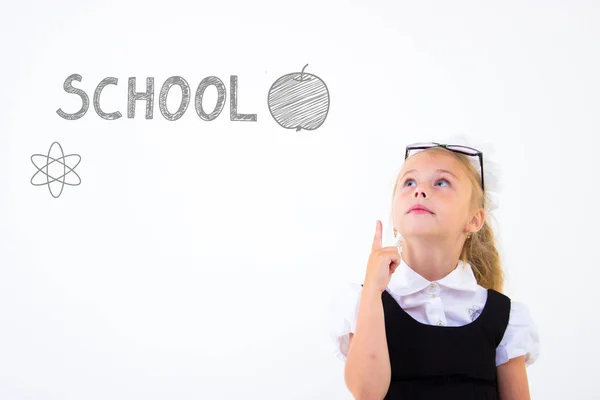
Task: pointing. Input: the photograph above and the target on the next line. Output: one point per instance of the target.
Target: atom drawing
(60, 168)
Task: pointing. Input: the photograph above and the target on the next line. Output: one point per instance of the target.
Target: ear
(477, 221)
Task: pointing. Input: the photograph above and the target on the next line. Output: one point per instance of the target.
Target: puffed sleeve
(343, 312)
(521, 337)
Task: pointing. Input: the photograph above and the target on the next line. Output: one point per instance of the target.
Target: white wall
(196, 259)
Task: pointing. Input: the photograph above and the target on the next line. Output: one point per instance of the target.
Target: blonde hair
(480, 249)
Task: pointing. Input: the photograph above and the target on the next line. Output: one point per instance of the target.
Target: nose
(420, 192)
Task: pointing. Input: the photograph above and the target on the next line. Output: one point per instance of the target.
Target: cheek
(401, 204)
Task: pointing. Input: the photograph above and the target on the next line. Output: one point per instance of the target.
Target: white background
(196, 259)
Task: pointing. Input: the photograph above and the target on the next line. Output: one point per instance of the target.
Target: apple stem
(302, 72)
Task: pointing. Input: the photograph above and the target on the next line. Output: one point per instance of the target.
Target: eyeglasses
(452, 147)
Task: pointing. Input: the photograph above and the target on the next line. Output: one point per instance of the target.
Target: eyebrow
(437, 170)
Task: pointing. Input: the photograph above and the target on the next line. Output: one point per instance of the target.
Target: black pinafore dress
(444, 362)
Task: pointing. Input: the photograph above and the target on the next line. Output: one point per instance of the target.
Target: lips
(419, 208)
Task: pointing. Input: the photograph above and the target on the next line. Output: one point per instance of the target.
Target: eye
(406, 181)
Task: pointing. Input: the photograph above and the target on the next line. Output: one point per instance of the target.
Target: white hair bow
(492, 172)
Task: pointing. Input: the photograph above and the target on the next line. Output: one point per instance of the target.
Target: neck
(431, 258)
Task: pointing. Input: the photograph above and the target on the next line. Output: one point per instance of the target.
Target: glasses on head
(469, 151)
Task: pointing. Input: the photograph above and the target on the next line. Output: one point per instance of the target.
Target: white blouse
(455, 300)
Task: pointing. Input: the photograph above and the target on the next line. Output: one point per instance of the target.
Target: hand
(383, 262)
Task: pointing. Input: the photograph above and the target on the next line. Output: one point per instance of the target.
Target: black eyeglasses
(452, 147)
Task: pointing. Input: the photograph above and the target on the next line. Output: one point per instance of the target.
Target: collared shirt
(455, 300)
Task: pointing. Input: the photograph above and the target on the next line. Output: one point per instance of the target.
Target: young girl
(430, 320)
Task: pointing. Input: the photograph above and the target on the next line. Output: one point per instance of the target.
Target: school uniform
(445, 338)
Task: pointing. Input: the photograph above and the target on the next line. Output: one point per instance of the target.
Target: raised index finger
(377, 238)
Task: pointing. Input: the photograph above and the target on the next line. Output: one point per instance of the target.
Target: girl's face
(438, 182)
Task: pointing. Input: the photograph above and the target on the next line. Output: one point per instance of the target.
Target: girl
(430, 320)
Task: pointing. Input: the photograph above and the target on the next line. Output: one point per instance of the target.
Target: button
(433, 287)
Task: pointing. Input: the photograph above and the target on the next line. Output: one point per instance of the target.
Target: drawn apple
(299, 101)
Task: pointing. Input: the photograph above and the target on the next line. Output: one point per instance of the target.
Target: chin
(419, 231)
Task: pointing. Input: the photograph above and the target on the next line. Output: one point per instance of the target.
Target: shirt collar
(405, 280)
